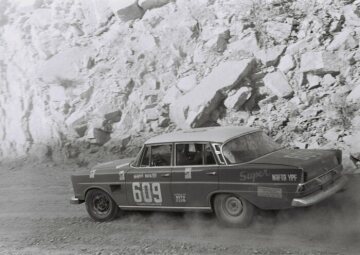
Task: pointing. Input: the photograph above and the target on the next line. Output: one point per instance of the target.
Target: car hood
(313, 162)
(116, 164)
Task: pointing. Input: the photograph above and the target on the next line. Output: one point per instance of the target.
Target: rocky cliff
(94, 77)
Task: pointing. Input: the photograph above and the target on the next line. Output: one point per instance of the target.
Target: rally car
(231, 171)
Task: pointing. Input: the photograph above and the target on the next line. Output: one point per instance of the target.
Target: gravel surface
(36, 218)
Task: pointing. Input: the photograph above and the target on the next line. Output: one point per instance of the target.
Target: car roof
(208, 134)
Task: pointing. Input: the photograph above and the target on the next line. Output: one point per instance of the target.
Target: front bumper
(320, 195)
(75, 201)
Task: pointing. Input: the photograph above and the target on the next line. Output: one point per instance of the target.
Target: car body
(230, 170)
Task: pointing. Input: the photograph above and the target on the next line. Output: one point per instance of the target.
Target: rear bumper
(320, 195)
(75, 201)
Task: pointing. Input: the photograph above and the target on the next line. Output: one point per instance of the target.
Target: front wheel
(100, 206)
(233, 211)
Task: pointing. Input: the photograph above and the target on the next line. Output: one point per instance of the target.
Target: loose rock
(126, 10)
(278, 84)
(270, 56)
(320, 62)
(235, 101)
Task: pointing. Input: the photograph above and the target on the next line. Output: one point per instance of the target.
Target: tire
(233, 211)
(100, 206)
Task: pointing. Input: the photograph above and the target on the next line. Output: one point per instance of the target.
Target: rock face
(195, 108)
(89, 77)
(320, 62)
(278, 84)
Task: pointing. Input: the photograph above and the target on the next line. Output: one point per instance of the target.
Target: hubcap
(233, 206)
(101, 204)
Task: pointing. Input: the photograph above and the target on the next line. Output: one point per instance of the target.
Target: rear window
(248, 147)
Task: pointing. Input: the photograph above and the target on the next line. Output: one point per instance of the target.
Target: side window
(146, 157)
(194, 154)
(161, 155)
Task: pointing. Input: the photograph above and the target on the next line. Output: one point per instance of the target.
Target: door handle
(211, 173)
(165, 175)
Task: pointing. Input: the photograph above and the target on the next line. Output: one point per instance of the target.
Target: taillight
(338, 154)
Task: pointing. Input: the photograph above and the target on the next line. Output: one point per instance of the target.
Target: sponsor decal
(284, 177)
(122, 175)
(269, 192)
(252, 176)
(150, 175)
(138, 176)
(188, 173)
(180, 197)
(120, 166)
(92, 174)
(146, 175)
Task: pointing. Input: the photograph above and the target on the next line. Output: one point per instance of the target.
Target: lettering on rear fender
(253, 176)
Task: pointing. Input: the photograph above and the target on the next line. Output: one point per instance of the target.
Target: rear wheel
(233, 211)
(100, 206)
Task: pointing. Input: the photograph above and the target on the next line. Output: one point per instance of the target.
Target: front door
(148, 184)
(194, 176)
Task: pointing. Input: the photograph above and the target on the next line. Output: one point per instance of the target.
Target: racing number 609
(148, 192)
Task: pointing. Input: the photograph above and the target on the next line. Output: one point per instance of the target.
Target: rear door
(148, 184)
(194, 176)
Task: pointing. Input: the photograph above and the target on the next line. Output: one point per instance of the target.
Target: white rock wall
(84, 77)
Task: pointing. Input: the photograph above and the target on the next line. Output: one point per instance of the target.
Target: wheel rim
(101, 205)
(233, 206)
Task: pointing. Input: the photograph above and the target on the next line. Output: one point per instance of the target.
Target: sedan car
(231, 171)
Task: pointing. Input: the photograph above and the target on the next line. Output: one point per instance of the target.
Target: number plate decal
(148, 193)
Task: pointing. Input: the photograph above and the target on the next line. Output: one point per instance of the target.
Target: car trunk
(313, 162)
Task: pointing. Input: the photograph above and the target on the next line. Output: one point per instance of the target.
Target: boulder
(113, 117)
(313, 80)
(238, 99)
(351, 14)
(328, 80)
(150, 4)
(279, 31)
(219, 42)
(286, 63)
(171, 95)
(278, 84)
(270, 56)
(195, 108)
(332, 135)
(344, 41)
(354, 95)
(99, 136)
(126, 10)
(151, 114)
(320, 62)
(185, 84)
(64, 67)
(81, 130)
(248, 43)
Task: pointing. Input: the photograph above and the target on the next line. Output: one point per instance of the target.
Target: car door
(148, 183)
(194, 176)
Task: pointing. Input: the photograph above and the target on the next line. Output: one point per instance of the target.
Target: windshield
(248, 147)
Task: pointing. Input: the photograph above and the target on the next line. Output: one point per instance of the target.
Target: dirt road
(36, 218)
